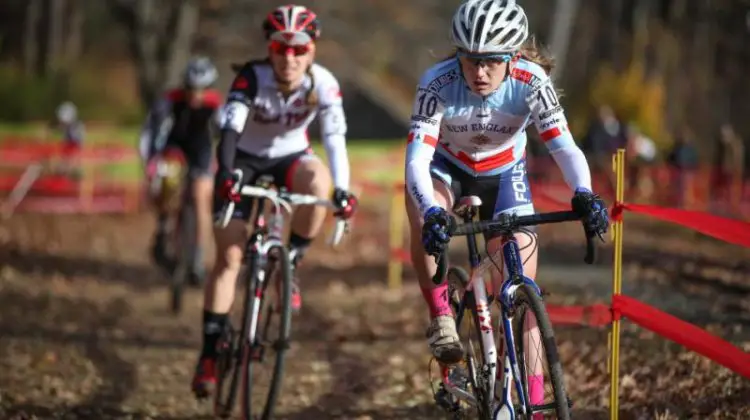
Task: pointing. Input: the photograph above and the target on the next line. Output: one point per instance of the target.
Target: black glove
(592, 210)
(346, 203)
(436, 230)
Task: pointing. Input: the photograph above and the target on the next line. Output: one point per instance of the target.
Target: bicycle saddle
(467, 207)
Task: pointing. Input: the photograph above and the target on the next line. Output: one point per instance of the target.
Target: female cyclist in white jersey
(270, 106)
(468, 138)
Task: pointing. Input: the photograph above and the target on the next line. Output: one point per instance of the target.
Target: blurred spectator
(683, 161)
(71, 127)
(605, 135)
(73, 133)
(728, 166)
(641, 155)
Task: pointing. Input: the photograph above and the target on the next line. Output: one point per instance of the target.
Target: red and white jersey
(274, 126)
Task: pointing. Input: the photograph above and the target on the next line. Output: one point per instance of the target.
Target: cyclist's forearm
(227, 149)
(572, 162)
(419, 182)
(145, 144)
(235, 118)
(338, 160)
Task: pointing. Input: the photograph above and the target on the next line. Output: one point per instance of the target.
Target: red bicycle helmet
(292, 25)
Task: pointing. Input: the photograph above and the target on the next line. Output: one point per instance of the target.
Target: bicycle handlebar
(283, 199)
(511, 223)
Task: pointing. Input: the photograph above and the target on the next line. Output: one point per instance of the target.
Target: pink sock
(536, 393)
(437, 300)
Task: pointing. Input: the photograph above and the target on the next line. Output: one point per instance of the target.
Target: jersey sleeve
(549, 117)
(333, 129)
(153, 137)
(427, 114)
(235, 114)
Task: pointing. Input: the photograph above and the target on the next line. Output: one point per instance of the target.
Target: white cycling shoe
(444, 341)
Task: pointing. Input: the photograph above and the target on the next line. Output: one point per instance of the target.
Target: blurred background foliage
(664, 65)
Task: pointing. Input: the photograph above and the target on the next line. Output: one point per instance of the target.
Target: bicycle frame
(266, 235)
(477, 289)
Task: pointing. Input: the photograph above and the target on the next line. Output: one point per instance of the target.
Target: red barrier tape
(401, 255)
(597, 315)
(728, 230)
(683, 333)
(58, 185)
(72, 205)
(18, 153)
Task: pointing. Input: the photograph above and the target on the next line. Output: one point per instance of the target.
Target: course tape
(684, 333)
(728, 230)
(20, 152)
(61, 185)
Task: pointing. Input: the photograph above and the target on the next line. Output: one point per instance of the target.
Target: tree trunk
(55, 16)
(180, 47)
(160, 37)
(31, 36)
(74, 35)
(562, 30)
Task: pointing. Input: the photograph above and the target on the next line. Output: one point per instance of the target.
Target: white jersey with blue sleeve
(486, 136)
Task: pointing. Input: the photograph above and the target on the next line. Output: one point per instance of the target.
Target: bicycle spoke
(541, 376)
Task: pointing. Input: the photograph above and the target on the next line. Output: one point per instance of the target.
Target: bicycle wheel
(228, 375)
(185, 255)
(233, 347)
(468, 328)
(274, 323)
(527, 299)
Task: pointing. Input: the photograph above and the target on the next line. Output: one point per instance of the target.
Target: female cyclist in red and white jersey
(270, 105)
(468, 138)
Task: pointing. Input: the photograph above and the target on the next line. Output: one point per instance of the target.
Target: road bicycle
(170, 186)
(477, 383)
(266, 319)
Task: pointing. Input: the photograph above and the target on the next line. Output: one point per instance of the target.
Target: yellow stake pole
(618, 163)
(396, 237)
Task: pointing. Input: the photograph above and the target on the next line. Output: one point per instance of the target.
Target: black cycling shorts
(198, 155)
(281, 169)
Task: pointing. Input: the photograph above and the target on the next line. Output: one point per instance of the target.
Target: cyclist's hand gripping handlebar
(225, 214)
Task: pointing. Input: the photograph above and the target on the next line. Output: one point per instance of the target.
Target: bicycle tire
(526, 296)
(187, 251)
(227, 361)
(281, 344)
(458, 277)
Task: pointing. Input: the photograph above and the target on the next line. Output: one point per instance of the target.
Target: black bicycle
(266, 318)
(172, 181)
(474, 384)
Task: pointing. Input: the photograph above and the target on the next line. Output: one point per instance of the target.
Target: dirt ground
(85, 332)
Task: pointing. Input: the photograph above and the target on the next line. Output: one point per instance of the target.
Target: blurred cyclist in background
(183, 118)
(73, 133)
(468, 138)
(72, 128)
(270, 106)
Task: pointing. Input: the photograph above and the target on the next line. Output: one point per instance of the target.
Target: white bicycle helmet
(67, 112)
(489, 26)
(200, 73)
